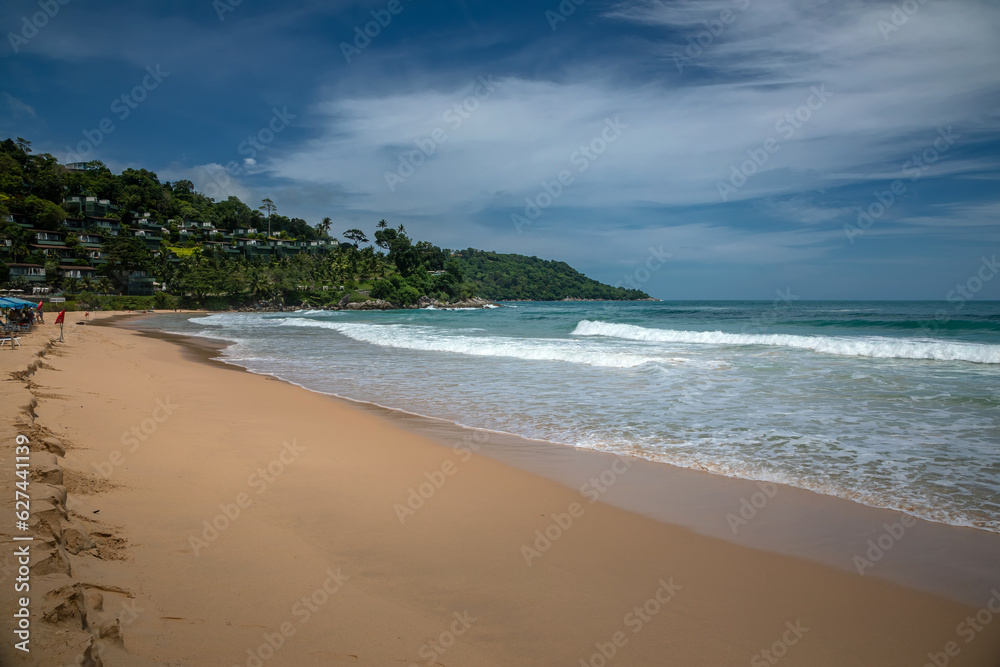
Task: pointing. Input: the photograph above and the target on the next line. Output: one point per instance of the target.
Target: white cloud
(889, 97)
(212, 179)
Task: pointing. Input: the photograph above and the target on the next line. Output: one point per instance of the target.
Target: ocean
(890, 404)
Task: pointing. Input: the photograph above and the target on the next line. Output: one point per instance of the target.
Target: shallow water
(892, 404)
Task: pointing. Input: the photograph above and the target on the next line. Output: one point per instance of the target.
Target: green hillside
(502, 277)
(83, 230)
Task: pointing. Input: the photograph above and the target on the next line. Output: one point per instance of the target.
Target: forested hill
(502, 277)
(80, 228)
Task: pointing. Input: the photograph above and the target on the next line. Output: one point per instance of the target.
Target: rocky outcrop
(425, 302)
(371, 304)
(473, 302)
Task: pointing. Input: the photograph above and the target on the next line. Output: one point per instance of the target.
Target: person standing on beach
(41, 314)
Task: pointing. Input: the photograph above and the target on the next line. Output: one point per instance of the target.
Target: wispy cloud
(19, 109)
(888, 101)
(750, 84)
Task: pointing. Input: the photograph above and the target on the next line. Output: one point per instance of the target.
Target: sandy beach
(189, 513)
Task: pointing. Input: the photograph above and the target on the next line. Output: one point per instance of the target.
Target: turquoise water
(892, 404)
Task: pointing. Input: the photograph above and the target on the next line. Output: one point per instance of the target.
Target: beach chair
(12, 339)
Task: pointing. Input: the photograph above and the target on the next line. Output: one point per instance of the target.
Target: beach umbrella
(16, 304)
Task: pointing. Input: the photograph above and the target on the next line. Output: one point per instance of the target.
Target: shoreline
(798, 522)
(307, 496)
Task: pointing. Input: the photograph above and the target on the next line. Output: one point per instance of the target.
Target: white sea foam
(217, 320)
(488, 306)
(861, 346)
(531, 349)
(237, 320)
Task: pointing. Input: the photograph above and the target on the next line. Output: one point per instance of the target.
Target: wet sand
(956, 562)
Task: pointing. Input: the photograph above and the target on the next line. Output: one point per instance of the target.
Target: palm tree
(338, 267)
(19, 249)
(19, 239)
(325, 226)
(104, 285)
(269, 207)
(257, 281)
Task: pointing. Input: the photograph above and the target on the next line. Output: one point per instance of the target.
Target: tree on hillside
(431, 256)
(94, 181)
(357, 236)
(126, 254)
(19, 238)
(233, 213)
(268, 206)
(198, 278)
(325, 226)
(404, 255)
(384, 237)
(181, 188)
(258, 282)
(43, 213)
(46, 176)
(140, 190)
(11, 175)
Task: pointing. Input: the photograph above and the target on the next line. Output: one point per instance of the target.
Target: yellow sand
(317, 556)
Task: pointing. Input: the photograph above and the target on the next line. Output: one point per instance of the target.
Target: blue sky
(739, 137)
